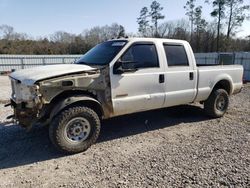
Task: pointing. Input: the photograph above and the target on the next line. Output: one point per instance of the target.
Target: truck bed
(209, 75)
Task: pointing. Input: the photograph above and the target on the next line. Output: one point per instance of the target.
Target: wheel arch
(66, 99)
(223, 84)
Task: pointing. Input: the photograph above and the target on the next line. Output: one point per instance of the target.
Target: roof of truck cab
(142, 39)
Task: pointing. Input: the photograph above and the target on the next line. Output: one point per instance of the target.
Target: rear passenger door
(180, 76)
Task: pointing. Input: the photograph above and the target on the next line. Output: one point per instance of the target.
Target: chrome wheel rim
(77, 129)
(221, 103)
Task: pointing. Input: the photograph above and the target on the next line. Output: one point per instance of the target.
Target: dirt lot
(175, 147)
(4, 88)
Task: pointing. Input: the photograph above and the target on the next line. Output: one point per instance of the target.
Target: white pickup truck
(114, 78)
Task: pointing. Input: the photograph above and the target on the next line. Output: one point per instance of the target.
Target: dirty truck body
(114, 78)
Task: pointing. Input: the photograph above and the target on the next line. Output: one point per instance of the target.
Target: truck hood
(32, 75)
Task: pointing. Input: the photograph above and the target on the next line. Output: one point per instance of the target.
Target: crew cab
(117, 77)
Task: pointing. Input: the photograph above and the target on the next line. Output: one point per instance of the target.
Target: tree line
(203, 35)
(58, 43)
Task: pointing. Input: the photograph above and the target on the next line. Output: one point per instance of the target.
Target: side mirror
(129, 65)
(124, 66)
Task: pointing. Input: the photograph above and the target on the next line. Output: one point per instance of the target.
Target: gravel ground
(5, 89)
(174, 147)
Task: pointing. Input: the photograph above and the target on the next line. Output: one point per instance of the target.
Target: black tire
(68, 121)
(217, 103)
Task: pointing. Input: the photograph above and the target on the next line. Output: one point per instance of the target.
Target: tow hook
(10, 117)
(6, 105)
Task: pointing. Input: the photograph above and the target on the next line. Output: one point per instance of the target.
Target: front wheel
(217, 103)
(75, 129)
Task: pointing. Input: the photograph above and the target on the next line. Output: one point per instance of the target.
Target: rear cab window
(176, 55)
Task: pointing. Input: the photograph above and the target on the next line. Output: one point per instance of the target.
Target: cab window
(176, 55)
(143, 55)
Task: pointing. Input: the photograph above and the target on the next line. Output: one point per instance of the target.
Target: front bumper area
(25, 117)
(26, 103)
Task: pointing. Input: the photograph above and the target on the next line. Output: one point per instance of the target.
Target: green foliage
(236, 14)
(143, 21)
(145, 29)
(190, 11)
(199, 22)
(209, 37)
(44, 46)
(219, 9)
(200, 29)
(58, 43)
(156, 15)
(121, 32)
(219, 13)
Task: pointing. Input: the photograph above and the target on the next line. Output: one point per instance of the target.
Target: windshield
(103, 53)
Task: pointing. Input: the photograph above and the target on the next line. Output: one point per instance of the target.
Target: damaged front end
(35, 101)
(26, 103)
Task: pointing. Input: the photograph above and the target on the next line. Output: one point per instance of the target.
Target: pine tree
(219, 13)
(156, 15)
(190, 11)
(237, 13)
(143, 21)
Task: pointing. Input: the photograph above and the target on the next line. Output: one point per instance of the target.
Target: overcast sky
(44, 17)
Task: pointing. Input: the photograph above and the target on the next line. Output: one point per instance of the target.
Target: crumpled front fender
(76, 99)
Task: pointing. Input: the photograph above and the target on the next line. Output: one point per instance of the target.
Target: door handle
(161, 78)
(191, 76)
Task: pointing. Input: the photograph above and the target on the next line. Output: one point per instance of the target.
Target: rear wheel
(217, 103)
(75, 129)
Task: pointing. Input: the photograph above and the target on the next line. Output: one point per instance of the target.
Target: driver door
(141, 89)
